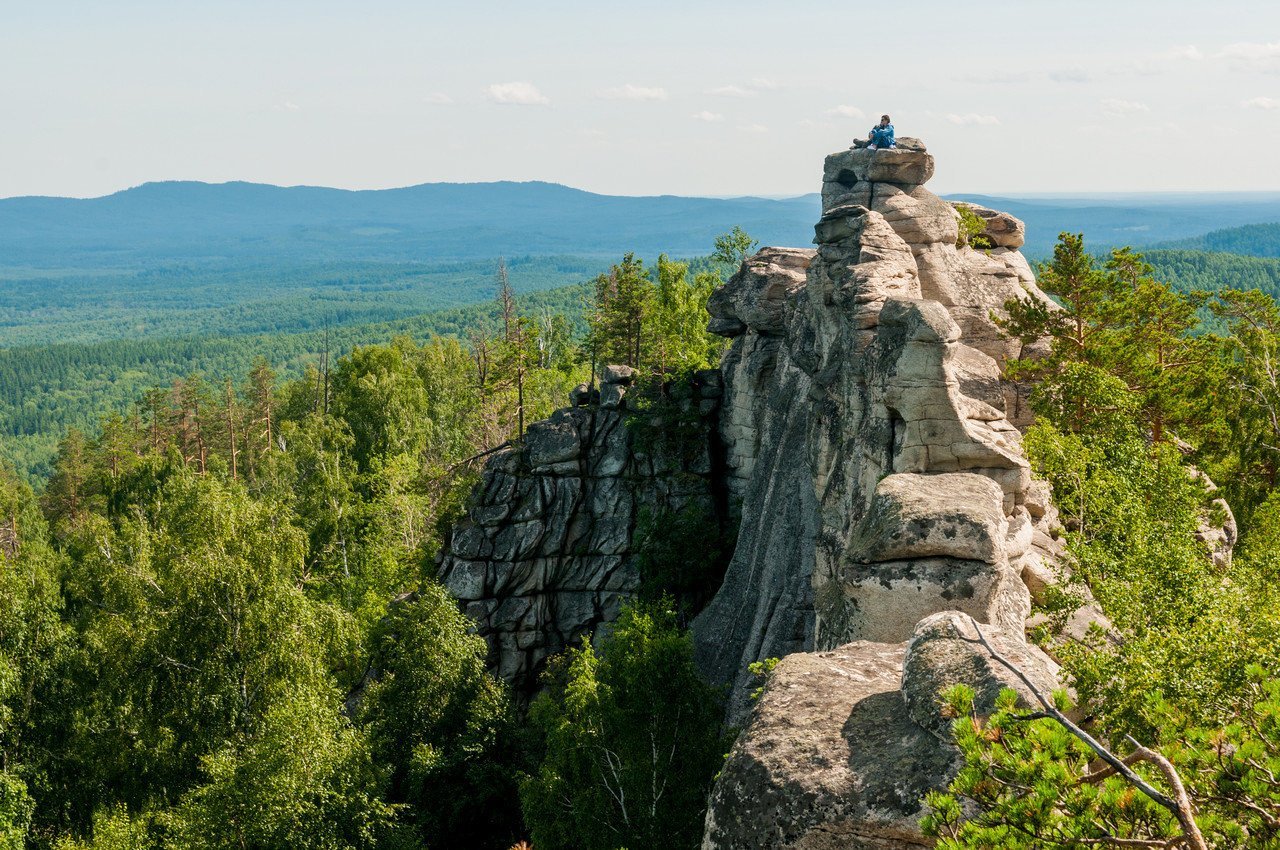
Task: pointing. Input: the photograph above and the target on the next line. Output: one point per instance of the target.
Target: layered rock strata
(861, 373)
(888, 511)
(544, 555)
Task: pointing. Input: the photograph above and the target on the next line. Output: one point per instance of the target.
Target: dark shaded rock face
(545, 554)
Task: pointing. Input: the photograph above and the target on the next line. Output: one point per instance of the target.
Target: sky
(637, 98)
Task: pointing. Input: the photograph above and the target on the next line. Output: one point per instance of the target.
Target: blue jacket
(882, 137)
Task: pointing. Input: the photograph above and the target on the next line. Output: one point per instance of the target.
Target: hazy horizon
(706, 99)
(1242, 194)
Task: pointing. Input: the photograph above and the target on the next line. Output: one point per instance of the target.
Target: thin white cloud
(438, 97)
(1163, 61)
(1261, 103)
(1189, 52)
(1253, 55)
(996, 77)
(972, 118)
(705, 115)
(754, 128)
(1115, 106)
(517, 94)
(1070, 75)
(845, 111)
(731, 91)
(289, 106)
(764, 84)
(633, 92)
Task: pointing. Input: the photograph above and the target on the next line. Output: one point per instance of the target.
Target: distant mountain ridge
(190, 221)
(182, 222)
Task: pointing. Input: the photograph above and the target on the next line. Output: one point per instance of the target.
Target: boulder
(956, 515)
(1004, 230)
(756, 295)
(611, 396)
(884, 601)
(617, 374)
(901, 165)
(947, 649)
(831, 759)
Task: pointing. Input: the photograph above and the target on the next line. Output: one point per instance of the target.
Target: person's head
(884, 119)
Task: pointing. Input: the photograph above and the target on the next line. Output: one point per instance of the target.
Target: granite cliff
(860, 442)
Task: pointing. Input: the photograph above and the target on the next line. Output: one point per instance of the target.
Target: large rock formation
(869, 374)
(888, 528)
(545, 553)
(886, 488)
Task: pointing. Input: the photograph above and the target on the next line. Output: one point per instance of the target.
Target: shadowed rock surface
(544, 555)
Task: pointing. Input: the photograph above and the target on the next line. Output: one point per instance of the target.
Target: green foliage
(971, 229)
(654, 320)
(114, 829)
(16, 807)
(682, 555)
(1030, 783)
(762, 670)
(733, 247)
(1120, 320)
(1028, 780)
(1131, 513)
(299, 777)
(632, 742)
(441, 725)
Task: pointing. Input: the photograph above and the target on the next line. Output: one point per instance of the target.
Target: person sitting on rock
(881, 135)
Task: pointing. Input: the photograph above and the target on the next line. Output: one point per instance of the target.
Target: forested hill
(201, 222)
(233, 223)
(1254, 240)
(1212, 271)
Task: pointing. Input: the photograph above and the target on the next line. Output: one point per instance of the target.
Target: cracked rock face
(545, 554)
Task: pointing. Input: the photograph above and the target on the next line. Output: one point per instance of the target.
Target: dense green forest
(1189, 270)
(183, 300)
(1254, 240)
(98, 358)
(219, 625)
(46, 389)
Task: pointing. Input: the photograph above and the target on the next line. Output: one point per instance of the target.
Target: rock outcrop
(888, 512)
(844, 745)
(860, 437)
(545, 553)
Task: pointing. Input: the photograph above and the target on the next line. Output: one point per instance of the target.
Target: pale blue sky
(636, 98)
